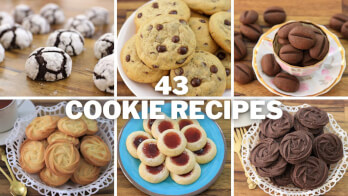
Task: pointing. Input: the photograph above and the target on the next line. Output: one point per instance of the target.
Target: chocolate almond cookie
(283, 41)
(337, 21)
(283, 32)
(290, 54)
(344, 30)
(251, 31)
(269, 65)
(320, 48)
(274, 15)
(296, 147)
(307, 59)
(240, 50)
(265, 153)
(328, 147)
(302, 37)
(286, 82)
(238, 35)
(243, 73)
(248, 17)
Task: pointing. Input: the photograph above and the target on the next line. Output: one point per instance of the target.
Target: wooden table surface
(4, 184)
(339, 109)
(13, 80)
(221, 187)
(318, 11)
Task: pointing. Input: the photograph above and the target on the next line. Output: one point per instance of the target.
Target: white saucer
(27, 108)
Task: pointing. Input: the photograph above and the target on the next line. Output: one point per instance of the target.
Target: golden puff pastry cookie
(189, 177)
(75, 128)
(159, 126)
(85, 173)
(172, 142)
(182, 163)
(134, 140)
(149, 154)
(95, 151)
(41, 127)
(62, 158)
(147, 123)
(207, 153)
(51, 179)
(155, 174)
(32, 156)
(185, 122)
(60, 136)
(195, 136)
(92, 125)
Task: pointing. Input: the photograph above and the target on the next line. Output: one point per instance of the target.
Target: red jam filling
(181, 159)
(192, 135)
(187, 174)
(165, 125)
(154, 170)
(172, 140)
(204, 150)
(150, 150)
(184, 122)
(137, 140)
(150, 122)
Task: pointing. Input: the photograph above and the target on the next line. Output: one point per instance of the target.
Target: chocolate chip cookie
(135, 69)
(165, 43)
(220, 29)
(161, 8)
(225, 59)
(205, 74)
(209, 7)
(204, 41)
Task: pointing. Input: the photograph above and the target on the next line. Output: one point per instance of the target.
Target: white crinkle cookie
(53, 13)
(48, 64)
(71, 41)
(2, 53)
(20, 12)
(36, 24)
(15, 37)
(104, 46)
(81, 24)
(103, 76)
(6, 18)
(98, 16)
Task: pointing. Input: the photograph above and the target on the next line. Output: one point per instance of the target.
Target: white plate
(138, 89)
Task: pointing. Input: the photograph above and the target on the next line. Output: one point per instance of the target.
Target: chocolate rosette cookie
(310, 174)
(312, 117)
(265, 153)
(299, 127)
(283, 179)
(296, 147)
(328, 147)
(277, 128)
(275, 169)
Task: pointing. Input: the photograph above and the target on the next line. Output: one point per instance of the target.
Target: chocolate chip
(155, 5)
(159, 27)
(179, 71)
(140, 15)
(181, 61)
(155, 66)
(202, 21)
(175, 39)
(199, 28)
(182, 21)
(228, 71)
(183, 50)
(173, 12)
(128, 58)
(161, 48)
(204, 64)
(149, 28)
(213, 69)
(227, 22)
(195, 82)
(221, 55)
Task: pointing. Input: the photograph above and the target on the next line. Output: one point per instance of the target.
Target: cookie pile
(295, 150)
(339, 22)
(171, 146)
(173, 40)
(59, 149)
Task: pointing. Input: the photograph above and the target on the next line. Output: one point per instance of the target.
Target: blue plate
(210, 171)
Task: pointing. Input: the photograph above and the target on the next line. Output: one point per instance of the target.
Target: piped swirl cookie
(154, 174)
(296, 147)
(265, 153)
(75, 128)
(195, 136)
(32, 156)
(60, 136)
(41, 127)
(189, 177)
(182, 163)
(85, 173)
(207, 153)
(134, 140)
(160, 125)
(51, 179)
(172, 142)
(92, 125)
(276, 128)
(95, 151)
(328, 147)
(149, 153)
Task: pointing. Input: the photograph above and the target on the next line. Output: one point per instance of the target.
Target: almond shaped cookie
(165, 43)
(160, 125)
(195, 136)
(205, 75)
(182, 163)
(207, 153)
(135, 69)
(204, 41)
(134, 140)
(209, 7)
(225, 59)
(172, 142)
(154, 174)
(220, 29)
(189, 177)
(149, 153)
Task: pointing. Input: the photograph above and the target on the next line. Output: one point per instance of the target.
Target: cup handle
(19, 102)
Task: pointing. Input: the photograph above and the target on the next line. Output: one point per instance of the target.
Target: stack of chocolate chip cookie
(295, 150)
(182, 38)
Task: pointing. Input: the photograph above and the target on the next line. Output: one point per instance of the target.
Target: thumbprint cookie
(51, 179)
(75, 128)
(147, 123)
(189, 177)
(154, 174)
(95, 151)
(182, 163)
(62, 158)
(207, 153)
(185, 122)
(149, 154)
(32, 156)
(172, 142)
(41, 127)
(134, 140)
(60, 136)
(92, 125)
(195, 136)
(159, 126)
(85, 173)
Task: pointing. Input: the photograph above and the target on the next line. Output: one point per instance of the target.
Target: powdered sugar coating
(6, 18)
(71, 41)
(48, 64)
(2, 53)
(15, 37)
(98, 16)
(103, 76)
(104, 46)
(81, 24)
(53, 13)
(20, 12)
(36, 24)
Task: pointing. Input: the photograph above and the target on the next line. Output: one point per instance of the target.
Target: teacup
(8, 114)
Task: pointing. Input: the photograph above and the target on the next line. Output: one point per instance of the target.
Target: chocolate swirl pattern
(283, 179)
(328, 147)
(275, 169)
(265, 153)
(312, 117)
(277, 128)
(299, 127)
(296, 147)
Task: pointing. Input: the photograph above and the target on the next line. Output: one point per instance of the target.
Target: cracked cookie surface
(103, 75)
(220, 29)
(36, 24)
(81, 24)
(98, 16)
(53, 13)
(104, 46)
(71, 41)
(15, 37)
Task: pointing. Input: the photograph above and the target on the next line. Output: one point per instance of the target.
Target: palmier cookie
(51, 179)
(134, 140)
(182, 163)
(189, 177)
(147, 123)
(160, 125)
(92, 125)
(41, 127)
(172, 142)
(95, 151)
(154, 174)
(85, 173)
(32, 156)
(58, 136)
(185, 122)
(62, 158)
(149, 153)
(195, 136)
(75, 128)
(207, 153)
